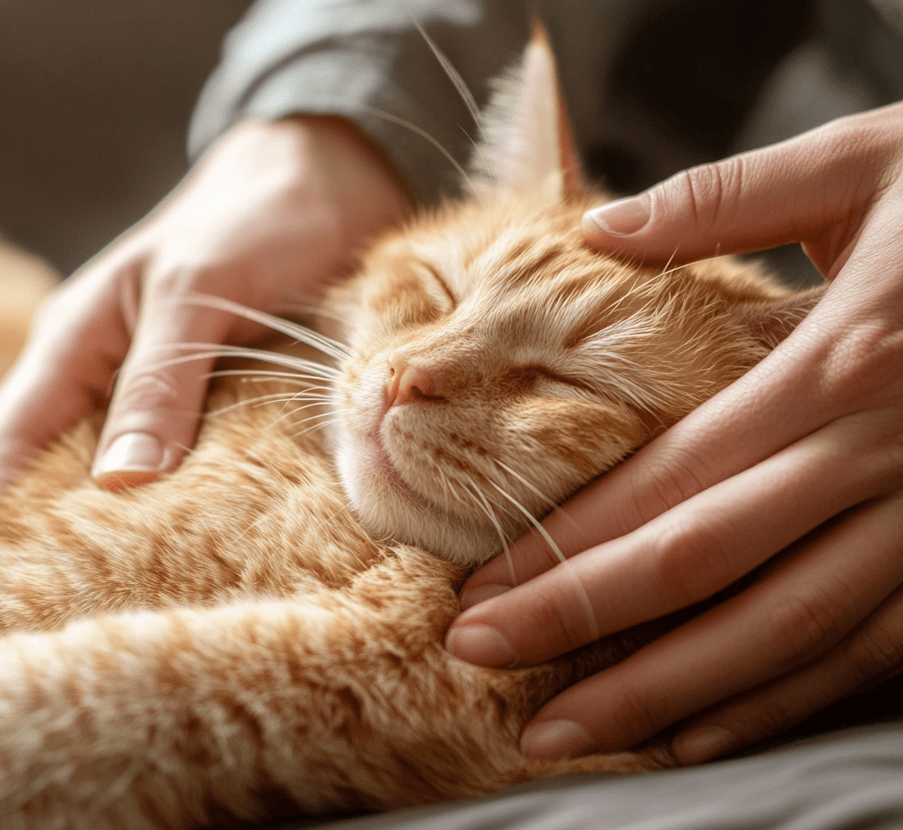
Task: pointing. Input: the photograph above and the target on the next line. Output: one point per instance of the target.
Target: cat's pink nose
(409, 383)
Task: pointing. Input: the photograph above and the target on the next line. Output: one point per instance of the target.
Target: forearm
(371, 65)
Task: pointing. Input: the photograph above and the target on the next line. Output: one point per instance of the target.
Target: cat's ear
(525, 138)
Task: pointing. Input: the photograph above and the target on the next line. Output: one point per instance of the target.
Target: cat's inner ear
(525, 141)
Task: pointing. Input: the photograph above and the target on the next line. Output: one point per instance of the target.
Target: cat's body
(260, 632)
(285, 657)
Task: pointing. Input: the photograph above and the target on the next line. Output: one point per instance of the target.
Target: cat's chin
(389, 509)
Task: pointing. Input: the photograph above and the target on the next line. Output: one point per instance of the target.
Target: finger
(719, 438)
(872, 653)
(666, 472)
(810, 601)
(787, 192)
(844, 357)
(62, 374)
(153, 416)
(686, 554)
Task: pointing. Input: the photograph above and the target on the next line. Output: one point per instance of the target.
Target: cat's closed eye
(433, 279)
(414, 294)
(545, 382)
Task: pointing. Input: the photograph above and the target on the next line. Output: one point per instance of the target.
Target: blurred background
(95, 98)
(94, 104)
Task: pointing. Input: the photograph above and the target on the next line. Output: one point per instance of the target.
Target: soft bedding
(847, 779)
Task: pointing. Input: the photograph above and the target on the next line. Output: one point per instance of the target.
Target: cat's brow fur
(259, 633)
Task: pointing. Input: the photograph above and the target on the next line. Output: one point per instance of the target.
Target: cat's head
(499, 364)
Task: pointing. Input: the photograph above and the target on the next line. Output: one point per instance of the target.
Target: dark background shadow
(95, 99)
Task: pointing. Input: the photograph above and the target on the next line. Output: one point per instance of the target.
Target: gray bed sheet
(852, 778)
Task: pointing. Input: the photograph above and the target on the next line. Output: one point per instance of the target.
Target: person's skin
(798, 464)
(270, 214)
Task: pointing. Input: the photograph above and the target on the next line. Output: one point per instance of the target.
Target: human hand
(799, 464)
(271, 212)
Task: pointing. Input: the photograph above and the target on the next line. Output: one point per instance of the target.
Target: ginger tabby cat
(259, 634)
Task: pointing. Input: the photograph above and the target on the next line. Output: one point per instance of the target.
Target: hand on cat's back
(269, 214)
(798, 466)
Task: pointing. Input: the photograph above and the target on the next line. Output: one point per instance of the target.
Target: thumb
(789, 192)
(154, 414)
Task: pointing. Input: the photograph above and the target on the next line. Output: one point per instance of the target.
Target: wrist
(365, 193)
(318, 174)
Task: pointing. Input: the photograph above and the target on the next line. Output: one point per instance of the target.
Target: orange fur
(259, 633)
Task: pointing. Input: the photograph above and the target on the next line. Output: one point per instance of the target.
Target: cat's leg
(156, 720)
(162, 720)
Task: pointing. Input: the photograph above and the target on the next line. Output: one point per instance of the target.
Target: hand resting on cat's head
(798, 464)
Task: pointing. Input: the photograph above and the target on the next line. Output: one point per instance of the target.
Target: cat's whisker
(453, 491)
(264, 375)
(325, 392)
(288, 397)
(331, 420)
(535, 490)
(326, 345)
(388, 116)
(298, 309)
(589, 613)
(668, 263)
(453, 75)
(449, 488)
(484, 504)
(551, 503)
(460, 85)
(289, 413)
(206, 351)
(553, 547)
(264, 400)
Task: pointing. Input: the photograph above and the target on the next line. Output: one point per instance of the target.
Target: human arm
(798, 464)
(271, 212)
(218, 233)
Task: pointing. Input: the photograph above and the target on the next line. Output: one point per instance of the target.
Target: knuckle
(709, 190)
(668, 483)
(806, 624)
(55, 305)
(559, 624)
(175, 280)
(637, 712)
(146, 391)
(878, 653)
(865, 362)
(689, 558)
(763, 719)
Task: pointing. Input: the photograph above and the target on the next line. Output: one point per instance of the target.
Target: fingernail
(556, 739)
(133, 458)
(480, 644)
(473, 596)
(621, 218)
(703, 744)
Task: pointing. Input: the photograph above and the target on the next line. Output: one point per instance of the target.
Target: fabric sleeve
(369, 62)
